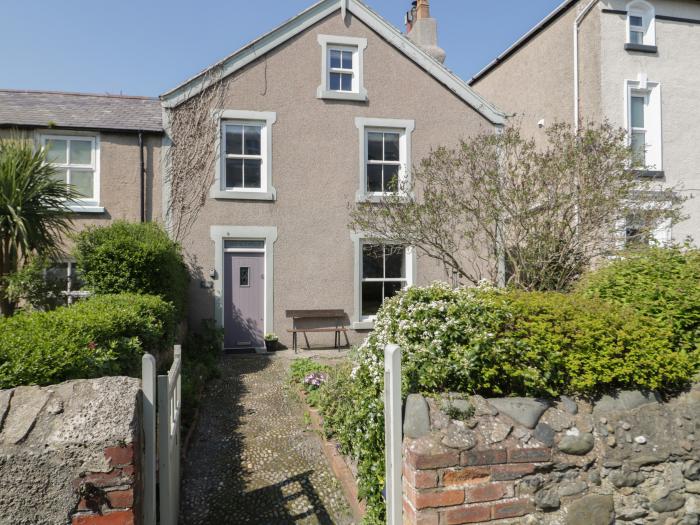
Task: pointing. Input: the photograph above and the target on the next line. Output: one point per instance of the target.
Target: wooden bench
(336, 317)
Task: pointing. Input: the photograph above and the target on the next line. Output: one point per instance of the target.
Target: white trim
(87, 205)
(267, 191)
(358, 46)
(384, 124)
(652, 116)
(647, 12)
(308, 18)
(358, 322)
(219, 234)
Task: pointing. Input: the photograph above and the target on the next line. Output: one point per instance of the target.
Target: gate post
(392, 434)
(148, 409)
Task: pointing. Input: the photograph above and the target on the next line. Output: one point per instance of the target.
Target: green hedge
(132, 257)
(103, 335)
(495, 343)
(663, 283)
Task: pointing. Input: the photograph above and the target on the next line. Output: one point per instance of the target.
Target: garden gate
(164, 400)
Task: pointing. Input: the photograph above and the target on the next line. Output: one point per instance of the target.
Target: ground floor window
(383, 274)
(66, 274)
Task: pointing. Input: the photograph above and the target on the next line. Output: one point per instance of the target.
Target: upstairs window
(641, 27)
(342, 68)
(244, 162)
(644, 125)
(75, 159)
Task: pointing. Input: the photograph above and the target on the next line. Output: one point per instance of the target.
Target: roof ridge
(75, 93)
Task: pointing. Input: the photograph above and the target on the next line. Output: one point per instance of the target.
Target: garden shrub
(132, 257)
(494, 343)
(663, 283)
(103, 335)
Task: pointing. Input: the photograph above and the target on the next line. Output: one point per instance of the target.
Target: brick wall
(111, 497)
(446, 487)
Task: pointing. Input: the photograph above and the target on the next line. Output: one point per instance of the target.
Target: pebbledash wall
(629, 459)
(67, 453)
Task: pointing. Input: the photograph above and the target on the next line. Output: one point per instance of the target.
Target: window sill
(650, 174)
(244, 195)
(361, 196)
(86, 208)
(363, 325)
(641, 48)
(323, 93)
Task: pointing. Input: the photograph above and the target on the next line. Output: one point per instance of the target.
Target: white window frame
(405, 128)
(265, 119)
(80, 205)
(651, 91)
(360, 322)
(647, 12)
(70, 294)
(343, 43)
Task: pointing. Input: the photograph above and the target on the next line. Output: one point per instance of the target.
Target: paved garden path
(252, 459)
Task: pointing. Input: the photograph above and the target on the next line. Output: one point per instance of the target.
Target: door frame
(268, 234)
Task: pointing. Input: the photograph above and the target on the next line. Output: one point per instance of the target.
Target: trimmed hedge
(494, 343)
(663, 283)
(103, 335)
(135, 258)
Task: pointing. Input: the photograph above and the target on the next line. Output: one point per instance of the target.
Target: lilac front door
(244, 300)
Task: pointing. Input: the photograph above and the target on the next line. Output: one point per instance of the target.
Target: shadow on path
(252, 459)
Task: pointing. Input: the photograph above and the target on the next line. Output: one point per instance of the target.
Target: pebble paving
(252, 458)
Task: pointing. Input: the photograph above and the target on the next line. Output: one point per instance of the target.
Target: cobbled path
(252, 459)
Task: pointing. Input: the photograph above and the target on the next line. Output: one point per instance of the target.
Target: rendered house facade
(107, 146)
(631, 62)
(324, 111)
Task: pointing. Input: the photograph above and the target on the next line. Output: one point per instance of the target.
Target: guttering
(142, 176)
(577, 26)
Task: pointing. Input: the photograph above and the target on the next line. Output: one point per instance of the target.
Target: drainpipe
(142, 172)
(577, 25)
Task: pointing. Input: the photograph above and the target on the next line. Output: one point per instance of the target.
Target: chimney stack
(422, 29)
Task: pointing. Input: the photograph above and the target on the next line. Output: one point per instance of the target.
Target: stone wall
(628, 459)
(67, 453)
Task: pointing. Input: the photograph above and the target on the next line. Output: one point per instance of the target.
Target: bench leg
(308, 346)
(294, 341)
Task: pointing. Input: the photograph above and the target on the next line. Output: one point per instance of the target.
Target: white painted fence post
(148, 409)
(393, 434)
(164, 471)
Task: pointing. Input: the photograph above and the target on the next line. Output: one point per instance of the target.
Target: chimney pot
(422, 30)
(422, 9)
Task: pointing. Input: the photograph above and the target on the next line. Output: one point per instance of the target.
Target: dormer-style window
(342, 68)
(641, 27)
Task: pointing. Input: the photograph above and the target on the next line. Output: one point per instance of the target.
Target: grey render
(534, 81)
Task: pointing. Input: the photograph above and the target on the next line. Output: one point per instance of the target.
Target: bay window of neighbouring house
(644, 125)
(384, 274)
(342, 68)
(75, 159)
(641, 25)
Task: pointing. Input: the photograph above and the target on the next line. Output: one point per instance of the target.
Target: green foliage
(34, 288)
(33, 209)
(663, 283)
(495, 343)
(271, 337)
(132, 257)
(200, 358)
(103, 335)
(300, 369)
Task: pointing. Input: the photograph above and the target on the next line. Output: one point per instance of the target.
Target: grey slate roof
(78, 110)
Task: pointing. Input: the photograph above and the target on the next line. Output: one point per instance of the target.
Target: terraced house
(320, 113)
(107, 146)
(633, 62)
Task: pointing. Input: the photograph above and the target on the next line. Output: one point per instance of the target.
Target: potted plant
(271, 342)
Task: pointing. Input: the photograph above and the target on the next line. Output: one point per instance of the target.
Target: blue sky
(145, 47)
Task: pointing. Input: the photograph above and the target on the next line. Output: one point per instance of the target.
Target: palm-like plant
(34, 213)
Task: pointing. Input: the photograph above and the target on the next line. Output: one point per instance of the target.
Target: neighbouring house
(323, 111)
(107, 146)
(631, 62)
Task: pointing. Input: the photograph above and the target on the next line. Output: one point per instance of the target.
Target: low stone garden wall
(629, 459)
(67, 453)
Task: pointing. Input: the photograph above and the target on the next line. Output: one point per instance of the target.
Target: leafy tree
(33, 210)
(501, 207)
